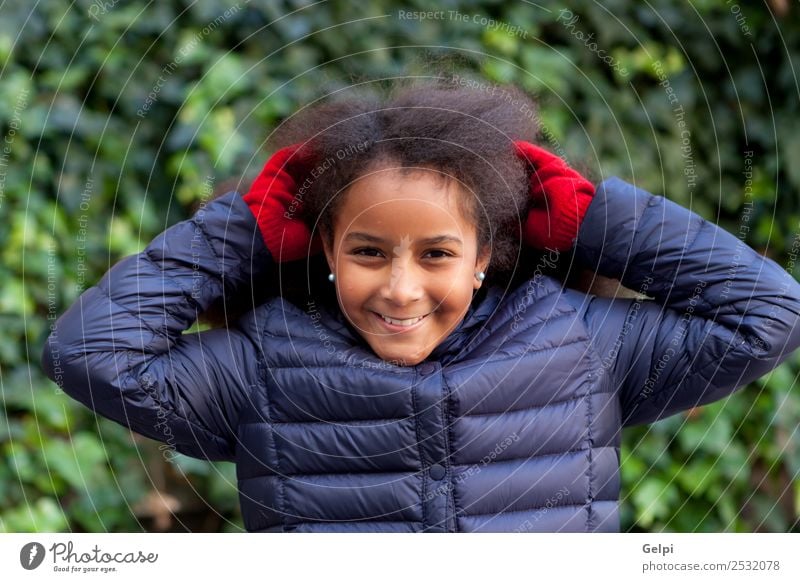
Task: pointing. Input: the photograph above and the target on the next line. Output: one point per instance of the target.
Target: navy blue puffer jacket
(512, 424)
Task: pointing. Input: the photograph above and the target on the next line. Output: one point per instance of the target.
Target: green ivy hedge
(119, 118)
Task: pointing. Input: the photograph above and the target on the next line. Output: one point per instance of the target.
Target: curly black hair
(463, 132)
(462, 129)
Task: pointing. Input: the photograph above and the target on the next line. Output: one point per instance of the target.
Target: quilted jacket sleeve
(722, 316)
(121, 351)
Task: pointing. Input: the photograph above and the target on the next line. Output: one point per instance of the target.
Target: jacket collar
(484, 304)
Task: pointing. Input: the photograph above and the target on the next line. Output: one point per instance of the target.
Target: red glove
(274, 201)
(560, 195)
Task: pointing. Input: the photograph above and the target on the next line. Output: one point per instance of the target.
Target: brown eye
(440, 254)
(365, 252)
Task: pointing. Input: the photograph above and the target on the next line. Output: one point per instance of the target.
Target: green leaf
(652, 500)
(79, 462)
(44, 515)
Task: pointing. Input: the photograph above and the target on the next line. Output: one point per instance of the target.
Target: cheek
(455, 293)
(466, 271)
(359, 286)
(351, 295)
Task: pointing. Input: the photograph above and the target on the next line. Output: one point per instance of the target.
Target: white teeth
(403, 322)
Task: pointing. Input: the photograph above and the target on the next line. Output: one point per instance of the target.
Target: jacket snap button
(427, 368)
(437, 472)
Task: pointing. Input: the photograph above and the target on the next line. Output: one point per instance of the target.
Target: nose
(404, 284)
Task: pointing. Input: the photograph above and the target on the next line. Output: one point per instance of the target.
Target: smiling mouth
(400, 322)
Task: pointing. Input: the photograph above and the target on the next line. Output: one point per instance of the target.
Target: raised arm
(120, 348)
(722, 316)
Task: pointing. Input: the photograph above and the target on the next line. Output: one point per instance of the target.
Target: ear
(482, 264)
(327, 248)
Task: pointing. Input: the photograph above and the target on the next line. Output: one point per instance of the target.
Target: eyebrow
(433, 240)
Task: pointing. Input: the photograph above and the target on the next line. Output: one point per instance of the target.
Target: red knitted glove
(274, 201)
(560, 196)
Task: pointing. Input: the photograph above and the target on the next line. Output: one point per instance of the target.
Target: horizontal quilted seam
(462, 513)
(353, 522)
(339, 365)
(535, 407)
(504, 357)
(529, 457)
(338, 474)
(343, 422)
(538, 507)
(348, 423)
(275, 474)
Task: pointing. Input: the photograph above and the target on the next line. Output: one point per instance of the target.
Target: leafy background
(117, 119)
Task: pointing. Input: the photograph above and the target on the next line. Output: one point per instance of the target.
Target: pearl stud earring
(480, 275)
(331, 277)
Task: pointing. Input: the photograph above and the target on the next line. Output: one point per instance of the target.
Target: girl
(438, 379)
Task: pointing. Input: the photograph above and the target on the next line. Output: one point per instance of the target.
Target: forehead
(414, 201)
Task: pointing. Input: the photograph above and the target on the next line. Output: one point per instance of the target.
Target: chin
(401, 358)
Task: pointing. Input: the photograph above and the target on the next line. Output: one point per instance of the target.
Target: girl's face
(403, 250)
